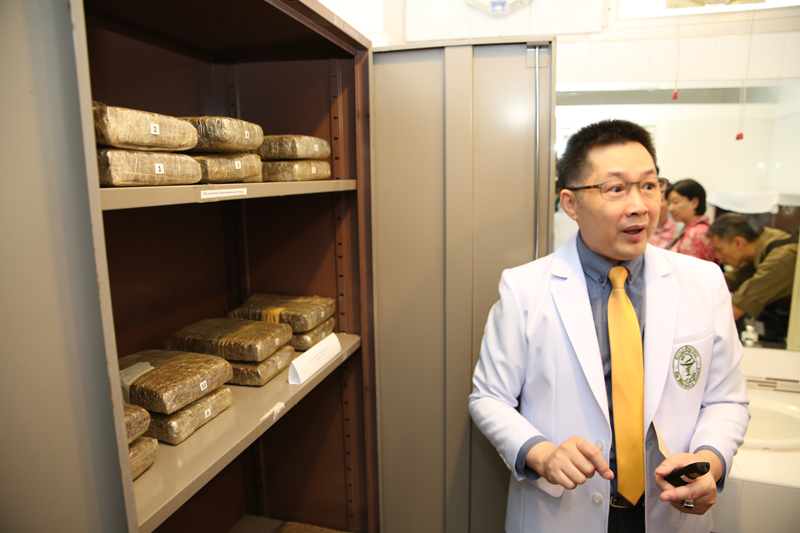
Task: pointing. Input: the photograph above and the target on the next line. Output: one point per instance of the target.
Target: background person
(687, 204)
(763, 275)
(664, 233)
(571, 383)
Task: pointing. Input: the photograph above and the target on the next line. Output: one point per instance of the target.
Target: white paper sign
(314, 359)
(222, 193)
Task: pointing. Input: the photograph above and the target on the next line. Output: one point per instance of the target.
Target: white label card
(313, 170)
(155, 129)
(222, 193)
(246, 134)
(159, 168)
(237, 165)
(316, 148)
(203, 385)
(208, 413)
(314, 359)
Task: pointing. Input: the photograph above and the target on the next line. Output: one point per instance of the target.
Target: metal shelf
(180, 471)
(133, 197)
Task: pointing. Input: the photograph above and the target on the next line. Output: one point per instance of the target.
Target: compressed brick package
(272, 171)
(305, 340)
(142, 454)
(229, 168)
(280, 147)
(257, 374)
(225, 134)
(302, 313)
(126, 168)
(121, 127)
(164, 381)
(181, 424)
(137, 419)
(235, 340)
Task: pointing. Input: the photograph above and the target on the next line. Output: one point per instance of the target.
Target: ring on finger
(688, 503)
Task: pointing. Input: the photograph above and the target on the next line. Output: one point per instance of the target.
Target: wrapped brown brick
(294, 170)
(181, 424)
(236, 340)
(279, 147)
(141, 130)
(225, 134)
(305, 340)
(229, 168)
(129, 168)
(302, 313)
(137, 420)
(257, 374)
(142, 453)
(177, 378)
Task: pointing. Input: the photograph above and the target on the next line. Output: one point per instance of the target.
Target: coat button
(597, 498)
(600, 445)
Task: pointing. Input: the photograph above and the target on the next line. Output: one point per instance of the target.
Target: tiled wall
(722, 58)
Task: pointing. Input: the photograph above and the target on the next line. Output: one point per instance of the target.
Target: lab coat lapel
(572, 301)
(661, 307)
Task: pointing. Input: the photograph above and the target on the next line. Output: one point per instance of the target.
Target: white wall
(785, 168)
(382, 22)
(428, 20)
(696, 140)
(606, 44)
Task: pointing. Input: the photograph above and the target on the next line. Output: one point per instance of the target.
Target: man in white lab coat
(542, 389)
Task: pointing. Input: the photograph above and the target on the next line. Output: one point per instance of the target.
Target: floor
(259, 524)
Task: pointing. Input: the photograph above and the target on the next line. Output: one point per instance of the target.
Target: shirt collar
(597, 268)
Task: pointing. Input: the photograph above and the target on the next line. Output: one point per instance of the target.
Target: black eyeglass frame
(663, 183)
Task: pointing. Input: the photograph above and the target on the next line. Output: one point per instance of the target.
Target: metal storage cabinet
(464, 189)
(92, 275)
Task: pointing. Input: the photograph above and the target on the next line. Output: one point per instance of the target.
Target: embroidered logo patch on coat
(686, 366)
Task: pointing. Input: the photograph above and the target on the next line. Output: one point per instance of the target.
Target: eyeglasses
(618, 189)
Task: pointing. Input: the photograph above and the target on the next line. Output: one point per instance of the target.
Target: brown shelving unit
(169, 256)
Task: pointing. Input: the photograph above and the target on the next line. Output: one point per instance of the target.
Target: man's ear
(569, 203)
(739, 241)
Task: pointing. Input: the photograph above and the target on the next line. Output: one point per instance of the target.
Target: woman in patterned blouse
(687, 204)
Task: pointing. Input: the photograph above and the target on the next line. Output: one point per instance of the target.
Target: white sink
(773, 425)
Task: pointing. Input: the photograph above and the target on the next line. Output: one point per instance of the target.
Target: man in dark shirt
(763, 269)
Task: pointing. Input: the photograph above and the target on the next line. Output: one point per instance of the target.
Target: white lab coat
(540, 346)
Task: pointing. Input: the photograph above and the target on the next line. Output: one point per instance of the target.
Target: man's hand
(570, 464)
(702, 491)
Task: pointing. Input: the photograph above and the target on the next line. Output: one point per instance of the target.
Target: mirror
(696, 137)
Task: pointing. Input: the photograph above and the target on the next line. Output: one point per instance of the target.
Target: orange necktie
(627, 387)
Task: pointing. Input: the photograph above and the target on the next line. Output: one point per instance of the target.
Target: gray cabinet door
(463, 190)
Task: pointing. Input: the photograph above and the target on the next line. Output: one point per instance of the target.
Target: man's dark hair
(691, 190)
(732, 225)
(574, 166)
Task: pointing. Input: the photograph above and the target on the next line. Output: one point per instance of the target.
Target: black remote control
(682, 476)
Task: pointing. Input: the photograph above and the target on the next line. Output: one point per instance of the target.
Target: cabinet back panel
(303, 460)
(168, 267)
(291, 245)
(287, 97)
(130, 73)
